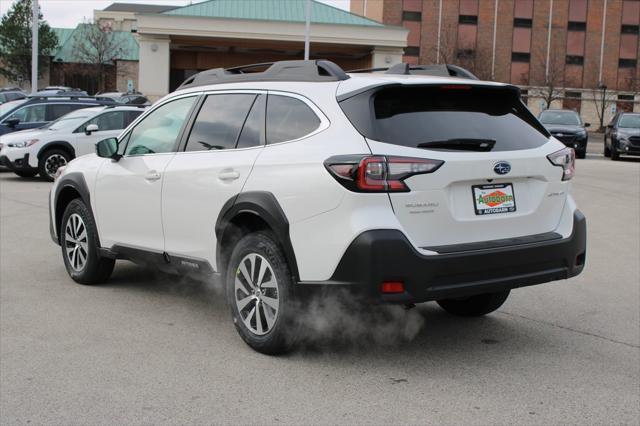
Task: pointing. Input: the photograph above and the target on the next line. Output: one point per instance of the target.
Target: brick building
(565, 51)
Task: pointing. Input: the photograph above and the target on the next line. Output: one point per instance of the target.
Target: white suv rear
(404, 188)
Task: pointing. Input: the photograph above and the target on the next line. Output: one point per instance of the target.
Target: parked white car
(44, 150)
(403, 188)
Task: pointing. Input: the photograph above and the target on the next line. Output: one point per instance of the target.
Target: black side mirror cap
(12, 122)
(587, 124)
(108, 148)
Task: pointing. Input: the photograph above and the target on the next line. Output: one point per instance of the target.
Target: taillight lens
(565, 158)
(377, 173)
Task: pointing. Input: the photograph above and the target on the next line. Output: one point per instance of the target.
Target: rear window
(416, 115)
(568, 118)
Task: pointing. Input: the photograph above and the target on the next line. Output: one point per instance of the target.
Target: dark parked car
(38, 111)
(622, 135)
(567, 126)
(11, 94)
(127, 98)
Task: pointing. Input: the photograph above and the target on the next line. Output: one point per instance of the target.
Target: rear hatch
(496, 181)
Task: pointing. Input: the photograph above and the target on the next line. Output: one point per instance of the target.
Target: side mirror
(587, 124)
(609, 126)
(12, 122)
(91, 128)
(108, 148)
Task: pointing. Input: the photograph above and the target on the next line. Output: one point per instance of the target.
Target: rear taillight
(377, 173)
(565, 158)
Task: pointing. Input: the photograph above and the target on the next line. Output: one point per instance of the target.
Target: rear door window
(219, 122)
(288, 119)
(31, 114)
(415, 116)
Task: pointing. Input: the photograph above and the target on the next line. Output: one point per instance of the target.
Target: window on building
(627, 63)
(577, 26)
(412, 16)
(524, 94)
(522, 22)
(412, 51)
(465, 53)
(630, 29)
(574, 60)
(573, 95)
(468, 19)
(626, 97)
(520, 57)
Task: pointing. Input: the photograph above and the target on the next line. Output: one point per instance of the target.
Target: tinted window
(30, 114)
(253, 131)
(114, 120)
(410, 116)
(158, 131)
(131, 116)
(58, 110)
(219, 122)
(568, 118)
(629, 121)
(289, 119)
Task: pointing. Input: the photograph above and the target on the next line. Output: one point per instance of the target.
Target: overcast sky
(69, 13)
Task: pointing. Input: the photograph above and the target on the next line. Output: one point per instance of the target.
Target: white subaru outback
(410, 186)
(44, 149)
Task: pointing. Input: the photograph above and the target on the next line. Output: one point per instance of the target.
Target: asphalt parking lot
(145, 348)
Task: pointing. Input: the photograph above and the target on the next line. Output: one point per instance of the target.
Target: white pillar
(383, 57)
(153, 78)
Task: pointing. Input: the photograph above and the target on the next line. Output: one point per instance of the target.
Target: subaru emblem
(502, 167)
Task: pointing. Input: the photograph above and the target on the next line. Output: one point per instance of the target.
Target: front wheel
(615, 155)
(474, 306)
(79, 242)
(51, 161)
(258, 283)
(607, 151)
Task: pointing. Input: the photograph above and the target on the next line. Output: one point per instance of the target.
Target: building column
(153, 76)
(383, 57)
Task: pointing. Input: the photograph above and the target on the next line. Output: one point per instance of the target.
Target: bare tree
(602, 99)
(98, 46)
(475, 60)
(553, 82)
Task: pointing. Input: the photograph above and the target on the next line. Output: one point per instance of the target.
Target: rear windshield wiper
(461, 144)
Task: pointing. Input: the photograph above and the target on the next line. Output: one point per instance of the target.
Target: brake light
(392, 287)
(565, 158)
(377, 173)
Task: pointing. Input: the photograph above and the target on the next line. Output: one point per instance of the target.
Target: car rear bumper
(386, 255)
(19, 164)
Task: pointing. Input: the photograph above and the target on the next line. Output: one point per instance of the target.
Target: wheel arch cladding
(70, 187)
(63, 145)
(249, 212)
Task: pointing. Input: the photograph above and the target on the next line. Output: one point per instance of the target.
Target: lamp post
(602, 87)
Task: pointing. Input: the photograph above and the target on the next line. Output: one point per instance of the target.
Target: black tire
(582, 153)
(474, 306)
(96, 269)
(607, 151)
(615, 155)
(25, 173)
(50, 161)
(278, 338)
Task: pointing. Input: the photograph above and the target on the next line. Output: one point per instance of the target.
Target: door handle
(228, 175)
(152, 176)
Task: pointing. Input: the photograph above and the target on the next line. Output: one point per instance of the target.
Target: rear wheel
(474, 306)
(26, 174)
(50, 161)
(79, 242)
(258, 283)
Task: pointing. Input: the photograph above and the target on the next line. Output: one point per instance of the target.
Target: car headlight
(582, 133)
(23, 144)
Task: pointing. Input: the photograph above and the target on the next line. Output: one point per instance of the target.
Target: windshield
(630, 121)
(446, 117)
(5, 108)
(72, 119)
(567, 118)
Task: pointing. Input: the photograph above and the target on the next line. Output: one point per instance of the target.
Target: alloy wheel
(76, 242)
(256, 294)
(53, 163)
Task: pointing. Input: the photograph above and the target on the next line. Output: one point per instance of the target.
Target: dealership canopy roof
(69, 38)
(272, 10)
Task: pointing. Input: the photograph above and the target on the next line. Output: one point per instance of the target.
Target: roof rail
(443, 70)
(72, 97)
(313, 71)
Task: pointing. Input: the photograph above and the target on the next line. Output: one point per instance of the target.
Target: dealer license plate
(494, 198)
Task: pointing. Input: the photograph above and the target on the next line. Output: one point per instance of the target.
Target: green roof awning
(272, 10)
